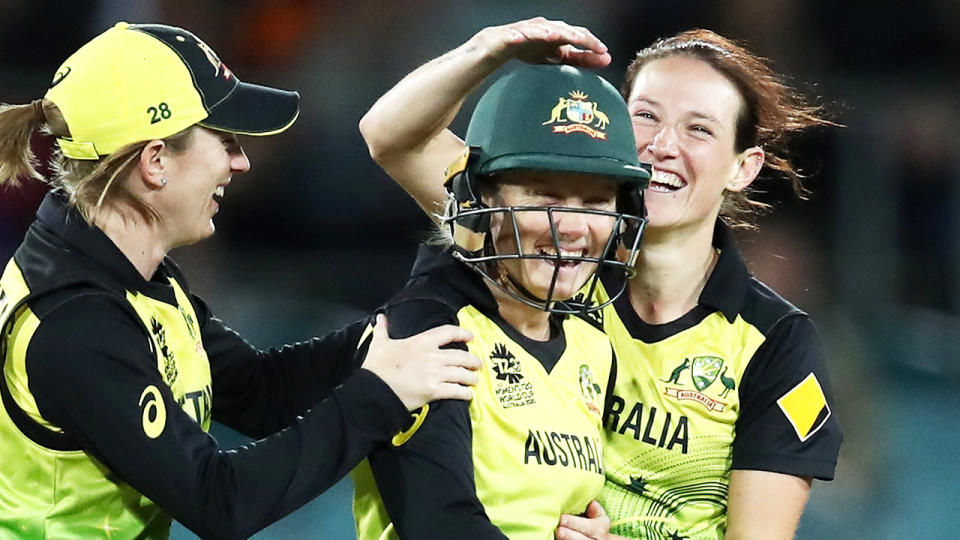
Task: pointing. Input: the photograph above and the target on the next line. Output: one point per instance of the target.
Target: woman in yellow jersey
(113, 370)
(548, 192)
(721, 413)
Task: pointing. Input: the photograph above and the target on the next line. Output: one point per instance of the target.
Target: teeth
(219, 191)
(564, 252)
(667, 178)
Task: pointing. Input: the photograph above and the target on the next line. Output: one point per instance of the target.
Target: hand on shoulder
(418, 369)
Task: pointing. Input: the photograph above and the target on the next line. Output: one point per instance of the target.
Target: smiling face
(578, 234)
(684, 118)
(196, 181)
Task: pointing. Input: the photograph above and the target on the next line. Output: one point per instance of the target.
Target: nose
(239, 162)
(571, 225)
(664, 144)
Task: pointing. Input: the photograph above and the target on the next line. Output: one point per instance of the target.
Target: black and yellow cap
(556, 118)
(139, 82)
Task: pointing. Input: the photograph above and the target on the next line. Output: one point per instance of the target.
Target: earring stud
(163, 180)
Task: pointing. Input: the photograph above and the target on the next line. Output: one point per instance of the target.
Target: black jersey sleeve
(260, 392)
(92, 372)
(427, 483)
(786, 422)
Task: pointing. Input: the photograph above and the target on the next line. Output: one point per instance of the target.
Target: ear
(151, 165)
(749, 163)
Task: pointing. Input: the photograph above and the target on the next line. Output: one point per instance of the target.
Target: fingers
(458, 375)
(380, 328)
(593, 524)
(580, 58)
(452, 391)
(563, 533)
(540, 40)
(582, 525)
(559, 32)
(443, 335)
(595, 510)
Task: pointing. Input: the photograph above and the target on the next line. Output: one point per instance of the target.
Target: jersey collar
(66, 223)
(727, 285)
(439, 262)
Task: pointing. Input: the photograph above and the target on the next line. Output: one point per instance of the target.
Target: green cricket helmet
(548, 118)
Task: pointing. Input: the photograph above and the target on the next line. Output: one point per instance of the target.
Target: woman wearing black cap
(113, 370)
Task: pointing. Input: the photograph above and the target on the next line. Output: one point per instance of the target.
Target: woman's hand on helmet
(418, 369)
(540, 41)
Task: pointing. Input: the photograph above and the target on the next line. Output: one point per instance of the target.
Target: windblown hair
(88, 184)
(771, 112)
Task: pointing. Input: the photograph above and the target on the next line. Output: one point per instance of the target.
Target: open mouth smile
(665, 181)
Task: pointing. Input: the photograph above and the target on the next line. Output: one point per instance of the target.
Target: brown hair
(771, 111)
(87, 183)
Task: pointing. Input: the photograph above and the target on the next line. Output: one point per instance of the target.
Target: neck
(672, 270)
(140, 241)
(529, 321)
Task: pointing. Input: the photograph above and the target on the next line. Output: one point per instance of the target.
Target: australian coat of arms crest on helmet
(577, 115)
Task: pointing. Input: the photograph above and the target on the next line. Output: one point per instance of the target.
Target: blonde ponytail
(88, 184)
(17, 124)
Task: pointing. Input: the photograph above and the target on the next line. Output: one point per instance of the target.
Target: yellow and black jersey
(508, 463)
(110, 382)
(736, 383)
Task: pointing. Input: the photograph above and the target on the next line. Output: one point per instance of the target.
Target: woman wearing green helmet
(544, 198)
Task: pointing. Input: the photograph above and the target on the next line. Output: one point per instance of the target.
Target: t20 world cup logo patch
(577, 115)
(510, 387)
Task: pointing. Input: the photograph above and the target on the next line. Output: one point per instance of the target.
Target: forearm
(261, 392)
(406, 129)
(429, 99)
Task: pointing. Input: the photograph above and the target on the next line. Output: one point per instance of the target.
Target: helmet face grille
(479, 252)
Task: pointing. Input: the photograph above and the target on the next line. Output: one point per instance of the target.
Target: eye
(644, 116)
(545, 198)
(702, 130)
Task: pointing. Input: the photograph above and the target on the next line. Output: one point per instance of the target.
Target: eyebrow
(695, 114)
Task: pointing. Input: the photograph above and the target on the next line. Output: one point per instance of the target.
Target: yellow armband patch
(805, 406)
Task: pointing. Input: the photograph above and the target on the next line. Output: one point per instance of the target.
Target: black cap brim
(251, 109)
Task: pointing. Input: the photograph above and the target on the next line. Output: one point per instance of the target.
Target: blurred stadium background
(316, 234)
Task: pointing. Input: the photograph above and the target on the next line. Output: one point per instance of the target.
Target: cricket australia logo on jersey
(511, 388)
(590, 390)
(703, 373)
(577, 115)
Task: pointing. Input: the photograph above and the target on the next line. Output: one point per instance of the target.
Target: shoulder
(423, 304)
(87, 319)
(764, 309)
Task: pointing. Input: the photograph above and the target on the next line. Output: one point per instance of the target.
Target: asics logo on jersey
(154, 416)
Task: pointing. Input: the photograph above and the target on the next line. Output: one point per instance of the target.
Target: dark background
(316, 234)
